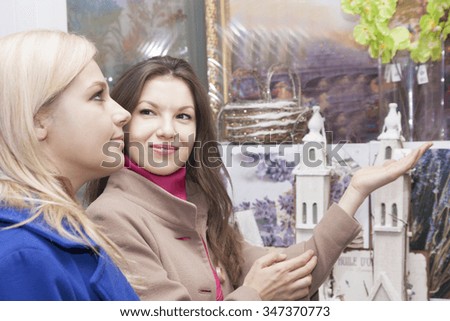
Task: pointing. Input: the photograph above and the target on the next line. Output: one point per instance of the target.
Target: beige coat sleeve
(331, 236)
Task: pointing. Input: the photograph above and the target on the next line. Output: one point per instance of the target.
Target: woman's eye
(98, 96)
(184, 116)
(146, 112)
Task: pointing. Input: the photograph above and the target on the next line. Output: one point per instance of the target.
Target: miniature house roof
(383, 290)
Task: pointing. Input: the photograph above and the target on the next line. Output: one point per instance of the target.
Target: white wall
(20, 15)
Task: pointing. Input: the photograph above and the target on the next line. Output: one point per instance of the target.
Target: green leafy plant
(383, 41)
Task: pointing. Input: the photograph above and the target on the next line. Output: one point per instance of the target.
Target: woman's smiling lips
(163, 149)
(118, 138)
(117, 141)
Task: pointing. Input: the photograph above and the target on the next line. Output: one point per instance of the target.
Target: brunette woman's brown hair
(204, 167)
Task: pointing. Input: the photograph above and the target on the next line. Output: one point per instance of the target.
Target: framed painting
(331, 70)
(128, 31)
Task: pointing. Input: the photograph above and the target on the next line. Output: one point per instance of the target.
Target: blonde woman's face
(163, 126)
(84, 129)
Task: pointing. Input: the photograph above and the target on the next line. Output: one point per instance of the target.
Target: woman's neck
(174, 183)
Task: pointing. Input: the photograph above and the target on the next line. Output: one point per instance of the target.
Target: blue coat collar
(107, 280)
(12, 216)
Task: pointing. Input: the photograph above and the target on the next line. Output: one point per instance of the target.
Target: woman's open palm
(368, 179)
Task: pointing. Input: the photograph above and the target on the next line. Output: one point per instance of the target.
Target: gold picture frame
(217, 13)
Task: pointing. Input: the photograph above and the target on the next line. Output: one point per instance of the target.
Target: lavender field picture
(430, 220)
(276, 216)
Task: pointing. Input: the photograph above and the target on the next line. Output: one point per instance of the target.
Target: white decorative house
(387, 271)
(312, 179)
(390, 209)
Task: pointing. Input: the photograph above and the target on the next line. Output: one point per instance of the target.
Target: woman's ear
(40, 127)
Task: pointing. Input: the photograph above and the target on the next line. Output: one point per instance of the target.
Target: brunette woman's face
(83, 131)
(163, 126)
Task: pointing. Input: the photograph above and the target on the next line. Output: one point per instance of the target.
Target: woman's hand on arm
(368, 179)
(276, 278)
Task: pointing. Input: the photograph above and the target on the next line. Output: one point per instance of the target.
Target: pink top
(175, 184)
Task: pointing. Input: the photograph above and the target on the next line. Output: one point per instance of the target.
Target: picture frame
(328, 63)
(126, 32)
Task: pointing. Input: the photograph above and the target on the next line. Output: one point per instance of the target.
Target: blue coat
(36, 263)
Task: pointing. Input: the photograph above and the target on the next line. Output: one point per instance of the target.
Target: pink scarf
(174, 183)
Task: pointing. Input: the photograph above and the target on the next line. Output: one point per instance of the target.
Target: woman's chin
(162, 171)
(113, 163)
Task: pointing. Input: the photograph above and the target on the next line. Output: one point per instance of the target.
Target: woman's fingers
(304, 270)
(412, 158)
(370, 178)
(408, 162)
(388, 162)
(297, 283)
(292, 278)
(300, 288)
(298, 262)
(276, 278)
(270, 259)
(422, 150)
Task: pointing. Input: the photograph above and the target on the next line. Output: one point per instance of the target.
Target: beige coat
(161, 237)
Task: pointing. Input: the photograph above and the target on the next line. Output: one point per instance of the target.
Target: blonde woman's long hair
(37, 66)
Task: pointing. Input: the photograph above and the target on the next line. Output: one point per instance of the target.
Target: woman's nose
(166, 128)
(120, 116)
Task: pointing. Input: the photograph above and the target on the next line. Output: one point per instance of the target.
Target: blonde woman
(57, 125)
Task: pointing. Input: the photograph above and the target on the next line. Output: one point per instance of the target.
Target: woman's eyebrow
(148, 102)
(102, 84)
